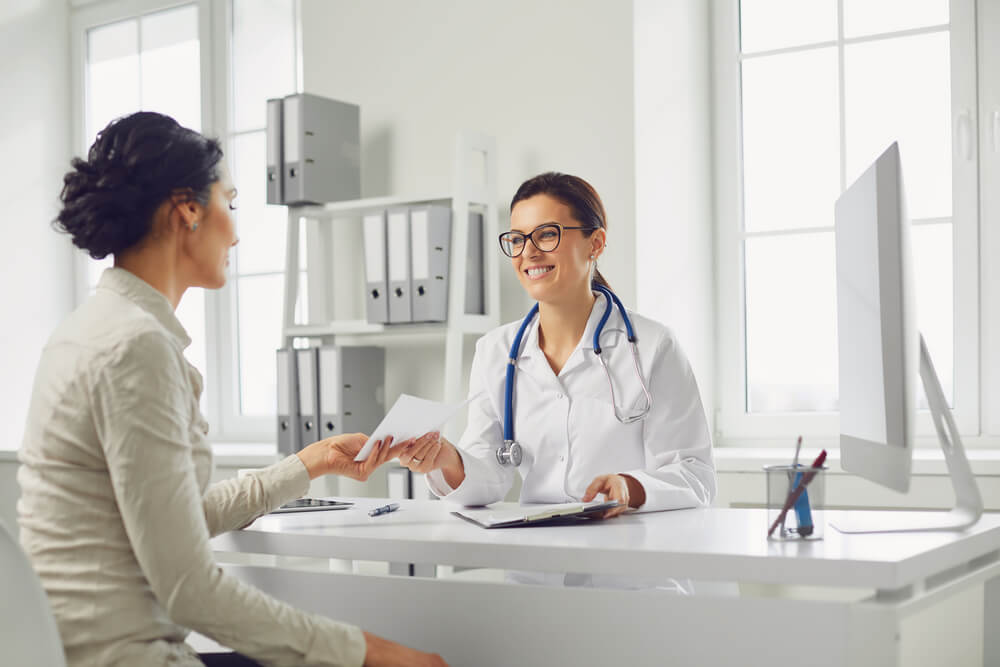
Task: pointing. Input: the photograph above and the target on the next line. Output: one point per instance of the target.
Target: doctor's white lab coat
(567, 427)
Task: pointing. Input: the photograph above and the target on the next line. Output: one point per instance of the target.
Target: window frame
(734, 426)
(988, 23)
(215, 31)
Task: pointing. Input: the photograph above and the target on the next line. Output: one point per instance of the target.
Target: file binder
(321, 150)
(288, 402)
(351, 389)
(398, 233)
(475, 297)
(430, 239)
(376, 275)
(275, 171)
(308, 399)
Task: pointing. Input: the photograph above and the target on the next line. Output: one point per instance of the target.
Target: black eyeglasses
(544, 237)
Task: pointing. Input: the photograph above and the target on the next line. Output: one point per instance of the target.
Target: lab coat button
(559, 396)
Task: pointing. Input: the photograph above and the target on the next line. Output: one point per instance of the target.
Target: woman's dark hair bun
(135, 164)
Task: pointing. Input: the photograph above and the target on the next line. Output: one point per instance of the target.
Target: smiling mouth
(536, 272)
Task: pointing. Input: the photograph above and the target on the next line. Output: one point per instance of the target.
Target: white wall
(673, 149)
(552, 81)
(36, 272)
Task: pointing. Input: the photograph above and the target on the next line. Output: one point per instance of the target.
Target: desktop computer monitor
(882, 357)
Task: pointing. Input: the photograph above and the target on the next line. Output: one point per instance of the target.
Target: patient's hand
(335, 455)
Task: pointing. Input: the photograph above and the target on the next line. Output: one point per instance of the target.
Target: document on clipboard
(534, 515)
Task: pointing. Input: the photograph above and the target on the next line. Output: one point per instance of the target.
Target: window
(813, 92)
(150, 62)
(211, 66)
(263, 65)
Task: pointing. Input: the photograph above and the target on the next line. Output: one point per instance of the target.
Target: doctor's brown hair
(580, 196)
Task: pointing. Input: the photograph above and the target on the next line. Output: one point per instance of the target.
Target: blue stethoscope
(510, 453)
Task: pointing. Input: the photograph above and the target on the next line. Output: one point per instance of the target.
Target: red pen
(790, 502)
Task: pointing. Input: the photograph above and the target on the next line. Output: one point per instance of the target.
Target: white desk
(482, 623)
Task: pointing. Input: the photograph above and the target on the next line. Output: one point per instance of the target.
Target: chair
(28, 632)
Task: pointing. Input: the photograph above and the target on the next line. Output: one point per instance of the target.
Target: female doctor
(636, 433)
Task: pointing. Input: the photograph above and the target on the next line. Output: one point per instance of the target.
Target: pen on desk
(385, 509)
(806, 478)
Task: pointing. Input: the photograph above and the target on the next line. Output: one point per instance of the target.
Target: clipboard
(541, 515)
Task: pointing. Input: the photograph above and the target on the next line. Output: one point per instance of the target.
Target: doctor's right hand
(384, 653)
(431, 452)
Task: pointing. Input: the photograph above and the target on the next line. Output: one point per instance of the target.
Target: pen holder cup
(795, 515)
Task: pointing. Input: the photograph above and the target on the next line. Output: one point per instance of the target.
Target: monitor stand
(968, 502)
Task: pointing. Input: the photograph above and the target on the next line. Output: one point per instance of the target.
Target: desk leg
(991, 621)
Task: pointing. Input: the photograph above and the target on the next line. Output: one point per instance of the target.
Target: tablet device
(312, 505)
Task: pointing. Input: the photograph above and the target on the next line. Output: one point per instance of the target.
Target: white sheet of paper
(411, 417)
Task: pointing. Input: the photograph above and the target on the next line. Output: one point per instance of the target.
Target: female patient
(566, 418)
(116, 510)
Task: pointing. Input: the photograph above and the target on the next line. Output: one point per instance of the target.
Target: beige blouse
(116, 510)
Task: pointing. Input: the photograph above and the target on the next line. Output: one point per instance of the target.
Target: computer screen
(877, 332)
(883, 360)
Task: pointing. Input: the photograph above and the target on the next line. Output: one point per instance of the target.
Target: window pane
(260, 302)
(261, 227)
(775, 24)
(900, 90)
(869, 17)
(171, 69)
(112, 74)
(791, 323)
(933, 272)
(191, 313)
(263, 58)
(791, 140)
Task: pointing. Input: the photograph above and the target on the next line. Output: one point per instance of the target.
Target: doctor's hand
(624, 488)
(335, 455)
(430, 452)
(381, 652)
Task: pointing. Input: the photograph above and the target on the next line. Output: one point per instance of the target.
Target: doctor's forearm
(453, 468)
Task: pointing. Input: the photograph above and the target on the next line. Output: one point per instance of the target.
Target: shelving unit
(474, 189)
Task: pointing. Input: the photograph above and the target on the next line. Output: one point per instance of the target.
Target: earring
(591, 257)
(194, 226)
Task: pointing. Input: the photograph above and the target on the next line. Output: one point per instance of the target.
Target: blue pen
(385, 509)
(803, 513)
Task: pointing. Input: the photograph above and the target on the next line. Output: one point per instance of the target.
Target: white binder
(430, 239)
(351, 389)
(376, 271)
(321, 151)
(398, 231)
(288, 402)
(307, 362)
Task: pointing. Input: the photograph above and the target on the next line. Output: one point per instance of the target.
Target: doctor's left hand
(624, 488)
(335, 455)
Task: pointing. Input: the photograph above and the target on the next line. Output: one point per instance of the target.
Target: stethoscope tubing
(505, 453)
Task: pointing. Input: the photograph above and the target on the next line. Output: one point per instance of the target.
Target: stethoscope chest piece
(510, 454)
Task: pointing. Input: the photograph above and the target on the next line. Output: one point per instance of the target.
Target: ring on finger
(416, 460)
